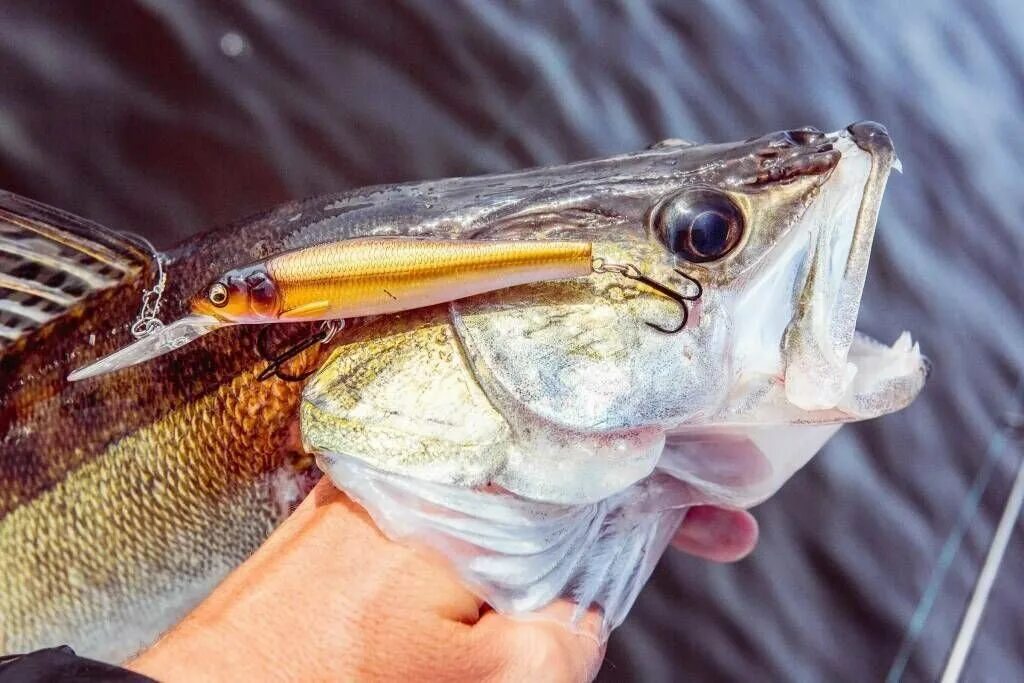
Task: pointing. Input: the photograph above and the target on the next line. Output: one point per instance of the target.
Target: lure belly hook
(631, 272)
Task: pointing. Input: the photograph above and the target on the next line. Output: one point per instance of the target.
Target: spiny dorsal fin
(51, 260)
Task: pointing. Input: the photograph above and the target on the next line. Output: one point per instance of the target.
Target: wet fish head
(777, 230)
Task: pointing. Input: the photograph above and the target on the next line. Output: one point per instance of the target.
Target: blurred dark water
(167, 118)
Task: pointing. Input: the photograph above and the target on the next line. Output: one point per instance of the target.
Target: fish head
(563, 391)
(789, 250)
(243, 295)
(777, 230)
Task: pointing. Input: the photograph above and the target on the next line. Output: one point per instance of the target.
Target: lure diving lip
(166, 339)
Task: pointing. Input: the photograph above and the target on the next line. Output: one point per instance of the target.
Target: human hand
(328, 597)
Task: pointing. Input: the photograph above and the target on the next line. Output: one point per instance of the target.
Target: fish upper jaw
(797, 354)
(830, 283)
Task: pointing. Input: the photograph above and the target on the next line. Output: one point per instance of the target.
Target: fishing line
(968, 509)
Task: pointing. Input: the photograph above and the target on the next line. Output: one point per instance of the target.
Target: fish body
(125, 497)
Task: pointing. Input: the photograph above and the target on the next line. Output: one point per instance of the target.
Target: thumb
(542, 646)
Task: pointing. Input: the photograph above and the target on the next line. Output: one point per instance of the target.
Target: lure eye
(218, 294)
(700, 224)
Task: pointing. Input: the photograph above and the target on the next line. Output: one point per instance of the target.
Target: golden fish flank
(173, 505)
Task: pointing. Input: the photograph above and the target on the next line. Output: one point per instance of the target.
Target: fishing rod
(990, 568)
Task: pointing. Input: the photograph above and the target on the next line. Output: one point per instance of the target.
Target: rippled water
(165, 118)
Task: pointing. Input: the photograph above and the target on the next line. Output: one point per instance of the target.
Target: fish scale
(203, 458)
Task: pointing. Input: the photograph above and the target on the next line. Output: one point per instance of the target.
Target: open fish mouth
(885, 378)
(830, 371)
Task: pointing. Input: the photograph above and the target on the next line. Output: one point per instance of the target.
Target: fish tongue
(167, 339)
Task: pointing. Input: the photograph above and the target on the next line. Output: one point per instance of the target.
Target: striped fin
(51, 260)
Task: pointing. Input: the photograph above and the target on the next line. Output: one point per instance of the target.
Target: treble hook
(276, 361)
(628, 270)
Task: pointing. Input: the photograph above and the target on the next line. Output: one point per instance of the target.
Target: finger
(717, 534)
(542, 646)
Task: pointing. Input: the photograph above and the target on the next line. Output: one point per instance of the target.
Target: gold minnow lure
(371, 276)
(361, 277)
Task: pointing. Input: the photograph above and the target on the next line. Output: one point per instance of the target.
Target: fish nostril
(805, 136)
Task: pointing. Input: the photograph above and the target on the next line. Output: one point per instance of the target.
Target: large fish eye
(700, 224)
(217, 294)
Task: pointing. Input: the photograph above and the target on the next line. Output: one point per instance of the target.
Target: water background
(166, 118)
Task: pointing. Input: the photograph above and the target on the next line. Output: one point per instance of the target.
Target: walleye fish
(125, 498)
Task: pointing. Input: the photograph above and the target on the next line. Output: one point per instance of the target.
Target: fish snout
(872, 137)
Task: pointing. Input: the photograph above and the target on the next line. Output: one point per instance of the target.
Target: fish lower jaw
(888, 378)
(878, 379)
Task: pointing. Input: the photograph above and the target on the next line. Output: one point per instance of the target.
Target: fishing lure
(369, 276)
(359, 277)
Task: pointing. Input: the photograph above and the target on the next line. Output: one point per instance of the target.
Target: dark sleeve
(59, 664)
